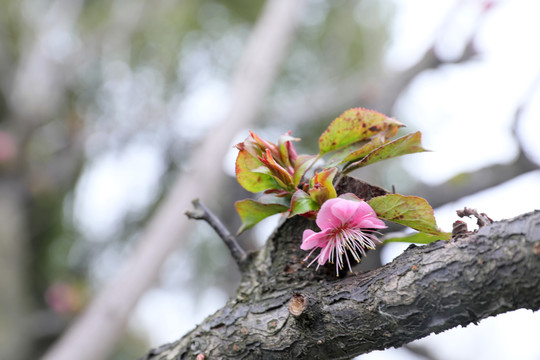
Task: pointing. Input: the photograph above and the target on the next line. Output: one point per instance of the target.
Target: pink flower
(345, 225)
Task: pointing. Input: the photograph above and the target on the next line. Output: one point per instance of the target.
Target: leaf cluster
(357, 138)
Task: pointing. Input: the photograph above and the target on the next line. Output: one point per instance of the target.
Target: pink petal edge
(326, 218)
(311, 239)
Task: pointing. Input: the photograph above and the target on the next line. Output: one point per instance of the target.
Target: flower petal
(371, 222)
(326, 218)
(342, 222)
(311, 239)
(365, 217)
(347, 210)
(364, 209)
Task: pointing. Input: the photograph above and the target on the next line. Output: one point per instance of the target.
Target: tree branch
(284, 310)
(201, 212)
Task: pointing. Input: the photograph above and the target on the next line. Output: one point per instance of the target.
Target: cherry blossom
(345, 225)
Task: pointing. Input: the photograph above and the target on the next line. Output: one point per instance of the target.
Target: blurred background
(104, 105)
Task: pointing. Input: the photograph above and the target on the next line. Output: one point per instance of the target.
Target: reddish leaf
(287, 151)
(322, 187)
(303, 163)
(252, 181)
(280, 174)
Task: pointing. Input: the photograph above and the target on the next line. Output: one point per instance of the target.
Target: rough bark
(285, 310)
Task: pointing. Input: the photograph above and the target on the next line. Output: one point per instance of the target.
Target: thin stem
(201, 212)
(319, 156)
(481, 218)
(340, 177)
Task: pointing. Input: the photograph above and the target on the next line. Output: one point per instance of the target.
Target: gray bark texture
(284, 310)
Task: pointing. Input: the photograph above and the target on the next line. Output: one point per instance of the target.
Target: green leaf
(270, 198)
(411, 211)
(352, 126)
(419, 238)
(302, 203)
(407, 144)
(360, 149)
(338, 157)
(376, 142)
(252, 181)
(251, 212)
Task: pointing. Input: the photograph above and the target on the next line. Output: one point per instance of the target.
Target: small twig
(481, 218)
(460, 229)
(319, 156)
(201, 212)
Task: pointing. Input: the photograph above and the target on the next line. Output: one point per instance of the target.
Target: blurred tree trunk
(284, 310)
(96, 331)
(38, 170)
(14, 275)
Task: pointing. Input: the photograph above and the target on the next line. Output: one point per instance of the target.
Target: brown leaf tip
(460, 230)
(481, 218)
